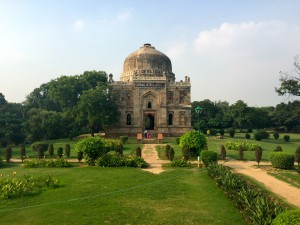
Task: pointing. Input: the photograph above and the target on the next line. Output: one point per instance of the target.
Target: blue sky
(232, 50)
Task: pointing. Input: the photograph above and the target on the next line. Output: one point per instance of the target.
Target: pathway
(150, 155)
(284, 190)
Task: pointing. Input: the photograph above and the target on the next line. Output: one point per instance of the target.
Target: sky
(231, 50)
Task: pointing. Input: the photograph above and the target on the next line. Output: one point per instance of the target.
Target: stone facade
(150, 98)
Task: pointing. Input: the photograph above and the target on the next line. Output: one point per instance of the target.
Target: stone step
(149, 141)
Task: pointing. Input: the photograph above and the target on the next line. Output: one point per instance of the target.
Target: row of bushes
(113, 160)
(247, 146)
(252, 201)
(46, 163)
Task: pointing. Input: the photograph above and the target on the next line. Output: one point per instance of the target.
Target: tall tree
(98, 108)
(290, 82)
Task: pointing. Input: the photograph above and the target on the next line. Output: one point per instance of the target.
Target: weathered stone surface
(150, 98)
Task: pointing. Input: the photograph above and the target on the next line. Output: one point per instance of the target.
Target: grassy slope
(122, 196)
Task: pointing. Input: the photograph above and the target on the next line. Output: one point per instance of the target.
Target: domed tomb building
(149, 97)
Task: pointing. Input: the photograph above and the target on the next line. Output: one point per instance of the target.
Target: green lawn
(91, 195)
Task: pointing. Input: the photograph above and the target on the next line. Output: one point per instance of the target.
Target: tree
(11, 123)
(240, 113)
(98, 107)
(290, 83)
(2, 99)
(287, 115)
(191, 141)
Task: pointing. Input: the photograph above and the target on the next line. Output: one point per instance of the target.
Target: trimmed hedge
(286, 138)
(109, 160)
(290, 217)
(282, 160)
(123, 139)
(209, 157)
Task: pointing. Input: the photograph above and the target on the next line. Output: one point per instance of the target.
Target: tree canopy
(290, 81)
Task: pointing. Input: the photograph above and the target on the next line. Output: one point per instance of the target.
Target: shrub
(191, 140)
(289, 217)
(209, 157)
(247, 136)
(258, 136)
(123, 139)
(185, 153)
(59, 152)
(167, 151)
(47, 163)
(8, 153)
(255, 204)
(109, 160)
(138, 152)
(178, 163)
(79, 156)
(278, 149)
(67, 150)
(241, 153)
(51, 150)
(262, 134)
(250, 130)
(22, 152)
(282, 160)
(297, 155)
(26, 186)
(39, 146)
(276, 135)
(258, 155)
(177, 140)
(286, 138)
(222, 132)
(223, 152)
(172, 154)
(0, 162)
(231, 132)
(92, 147)
(247, 146)
(119, 149)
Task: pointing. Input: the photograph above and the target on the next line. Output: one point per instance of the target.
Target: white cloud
(243, 60)
(78, 25)
(124, 15)
(248, 39)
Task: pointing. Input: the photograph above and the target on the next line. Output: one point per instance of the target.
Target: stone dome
(147, 63)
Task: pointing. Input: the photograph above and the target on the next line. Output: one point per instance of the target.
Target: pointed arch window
(170, 119)
(128, 121)
(149, 105)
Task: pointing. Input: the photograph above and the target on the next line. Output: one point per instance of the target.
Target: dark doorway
(149, 122)
(170, 119)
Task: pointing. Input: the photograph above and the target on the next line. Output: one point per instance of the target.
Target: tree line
(72, 105)
(64, 107)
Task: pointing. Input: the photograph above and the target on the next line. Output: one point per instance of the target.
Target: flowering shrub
(27, 185)
(246, 145)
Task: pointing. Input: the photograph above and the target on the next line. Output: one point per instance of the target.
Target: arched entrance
(149, 121)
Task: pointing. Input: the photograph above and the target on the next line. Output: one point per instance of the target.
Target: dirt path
(150, 155)
(284, 190)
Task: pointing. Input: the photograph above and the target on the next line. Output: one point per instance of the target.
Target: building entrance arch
(149, 121)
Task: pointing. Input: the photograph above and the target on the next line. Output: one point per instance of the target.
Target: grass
(91, 195)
